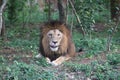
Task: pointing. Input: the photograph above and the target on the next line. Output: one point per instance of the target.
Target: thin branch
(77, 17)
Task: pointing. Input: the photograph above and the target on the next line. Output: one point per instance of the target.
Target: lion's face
(54, 37)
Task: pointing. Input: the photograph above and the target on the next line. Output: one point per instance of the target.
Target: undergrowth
(96, 70)
(23, 71)
(39, 69)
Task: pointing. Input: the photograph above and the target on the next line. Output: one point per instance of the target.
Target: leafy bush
(89, 10)
(12, 10)
(91, 46)
(21, 12)
(114, 58)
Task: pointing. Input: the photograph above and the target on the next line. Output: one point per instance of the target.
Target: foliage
(96, 70)
(41, 62)
(74, 67)
(26, 38)
(91, 46)
(103, 71)
(114, 58)
(38, 69)
(30, 14)
(22, 71)
(13, 8)
(22, 12)
(87, 11)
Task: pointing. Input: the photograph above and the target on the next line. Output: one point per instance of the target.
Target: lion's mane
(66, 46)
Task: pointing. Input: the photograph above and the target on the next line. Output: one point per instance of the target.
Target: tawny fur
(66, 49)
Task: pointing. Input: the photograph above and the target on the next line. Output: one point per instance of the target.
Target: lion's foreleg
(60, 60)
(48, 60)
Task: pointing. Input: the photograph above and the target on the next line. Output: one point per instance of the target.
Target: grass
(23, 71)
(113, 58)
(24, 41)
(96, 70)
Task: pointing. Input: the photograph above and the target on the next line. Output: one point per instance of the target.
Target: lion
(56, 43)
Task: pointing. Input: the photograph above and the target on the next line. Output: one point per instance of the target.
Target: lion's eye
(58, 34)
(50, 35)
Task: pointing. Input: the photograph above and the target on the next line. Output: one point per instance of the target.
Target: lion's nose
(54, 42)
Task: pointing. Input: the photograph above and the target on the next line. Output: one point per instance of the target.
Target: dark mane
(67, 46)
(53, 22)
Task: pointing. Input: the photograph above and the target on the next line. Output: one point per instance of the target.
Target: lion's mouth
(54, 48)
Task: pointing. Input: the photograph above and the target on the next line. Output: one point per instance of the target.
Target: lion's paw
(38, 56)
(48, 60)
(54, 63)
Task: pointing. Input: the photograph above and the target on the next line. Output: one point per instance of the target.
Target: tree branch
(3, 5)
(77, 17)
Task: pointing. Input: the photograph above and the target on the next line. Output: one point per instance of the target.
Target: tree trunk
(67, 7)
(115, 10)
(1, 22)
(1, 17)
(61, 8)
(49, 10)
(2, 26)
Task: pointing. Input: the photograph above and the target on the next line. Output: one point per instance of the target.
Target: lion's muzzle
(54, 48)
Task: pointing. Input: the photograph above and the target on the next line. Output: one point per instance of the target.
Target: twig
(77, 17)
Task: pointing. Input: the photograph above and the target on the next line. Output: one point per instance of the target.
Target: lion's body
(57, 32)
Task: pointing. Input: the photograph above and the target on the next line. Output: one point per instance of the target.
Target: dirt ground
(11, 54)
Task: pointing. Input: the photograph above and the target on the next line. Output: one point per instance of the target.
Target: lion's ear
(63, 24)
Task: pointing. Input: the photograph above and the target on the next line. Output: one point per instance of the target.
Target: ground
(13, 54)
(16, 61)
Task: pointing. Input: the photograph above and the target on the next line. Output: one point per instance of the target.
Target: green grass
(95, 70)
(23, 71)
(27, 39)
(113, 58)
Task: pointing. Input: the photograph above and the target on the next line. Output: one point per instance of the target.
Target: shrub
(114, 58)
(91, 46)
